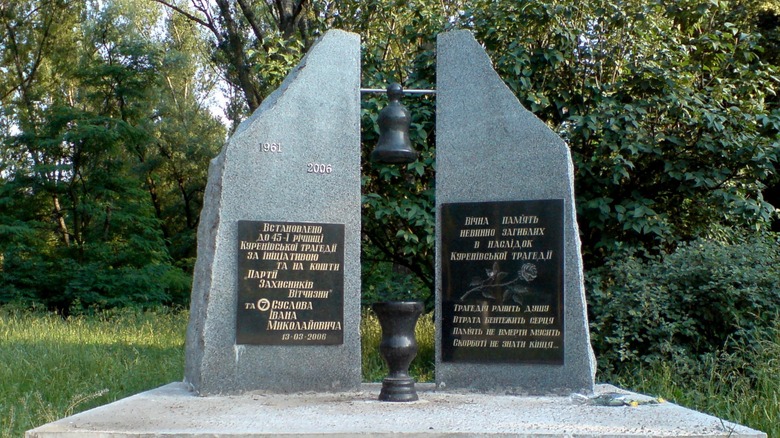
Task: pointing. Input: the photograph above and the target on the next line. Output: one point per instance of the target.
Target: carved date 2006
(318, 168)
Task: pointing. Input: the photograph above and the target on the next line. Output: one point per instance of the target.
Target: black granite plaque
(502, 282)
(290, 283)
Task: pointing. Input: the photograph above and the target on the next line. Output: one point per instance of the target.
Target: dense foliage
(664, 107)
(398, 201)
(698, 326)
(670, 112)
(104, 151)
(705, 298)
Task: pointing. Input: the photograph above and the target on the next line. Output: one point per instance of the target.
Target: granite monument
(511, 313)
(276, 292)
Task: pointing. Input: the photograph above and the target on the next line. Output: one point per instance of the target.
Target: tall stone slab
(276, 292)
(511, 313)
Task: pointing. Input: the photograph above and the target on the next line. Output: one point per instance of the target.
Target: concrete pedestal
(173, 411)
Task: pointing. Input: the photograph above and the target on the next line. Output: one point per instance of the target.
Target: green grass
(51, 368)
(758, 408)
(743, 387)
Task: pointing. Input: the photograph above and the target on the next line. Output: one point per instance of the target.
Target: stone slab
(295, 160)
(172, 411)
(491, 149)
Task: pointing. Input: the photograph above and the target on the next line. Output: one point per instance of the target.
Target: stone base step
(173, 411)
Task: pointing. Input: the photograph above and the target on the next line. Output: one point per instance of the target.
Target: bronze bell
(394, 146)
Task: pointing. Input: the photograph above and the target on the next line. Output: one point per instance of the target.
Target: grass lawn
(52, 368)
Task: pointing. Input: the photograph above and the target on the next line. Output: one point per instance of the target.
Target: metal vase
(398, 347)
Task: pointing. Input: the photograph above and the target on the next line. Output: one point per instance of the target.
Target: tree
(81, 228)
(766, 18)
(254, 43)
(668, 109)
(399, 40)
(186, 137)
(664, 107)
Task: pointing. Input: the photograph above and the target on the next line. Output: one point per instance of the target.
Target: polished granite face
(290, 283)
(502, 282)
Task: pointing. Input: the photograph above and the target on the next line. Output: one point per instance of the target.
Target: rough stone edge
(201, 282)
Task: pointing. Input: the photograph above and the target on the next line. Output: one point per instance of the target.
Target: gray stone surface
(171, 411)
(490, 148)
(315, 116)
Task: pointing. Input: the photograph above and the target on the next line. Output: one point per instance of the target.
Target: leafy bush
(382, 281)
(64, 285)
(704, 298)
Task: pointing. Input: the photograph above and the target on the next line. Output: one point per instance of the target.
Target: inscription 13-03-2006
(290, 283)
(502, 282)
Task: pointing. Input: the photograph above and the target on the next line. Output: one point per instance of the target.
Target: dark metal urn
(398, 347)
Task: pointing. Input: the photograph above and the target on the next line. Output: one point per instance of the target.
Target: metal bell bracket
(394, 146)
(381, 90)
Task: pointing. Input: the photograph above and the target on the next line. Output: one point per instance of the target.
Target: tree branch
(252, 19)
(206, 24)
(238, 58)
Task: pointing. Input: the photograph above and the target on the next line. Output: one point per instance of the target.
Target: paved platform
(172, 411)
